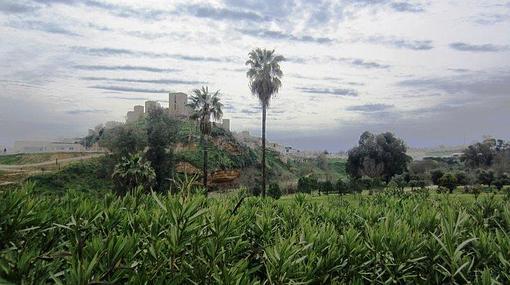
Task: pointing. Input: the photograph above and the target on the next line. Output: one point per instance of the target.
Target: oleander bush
(80, 238)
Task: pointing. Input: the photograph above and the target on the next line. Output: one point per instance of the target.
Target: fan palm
(264, 76)
(206, 108)
(133, 171)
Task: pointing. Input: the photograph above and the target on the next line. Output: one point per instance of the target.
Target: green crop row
(78, 238)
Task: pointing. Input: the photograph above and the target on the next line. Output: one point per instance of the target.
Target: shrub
(399, 181)
(131, 172)
(394, 189)
(501, 181)
(274, 191)
(341, 187)
(366, 182)
(326, 187)
(171, 239)
(448, 181)
(435, 175)
(417, 184)
(486, 177)
(462, 178)
(355, 185)
(256, 190)
(307, 184)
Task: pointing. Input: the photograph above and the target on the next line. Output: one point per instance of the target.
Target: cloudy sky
(433, 72)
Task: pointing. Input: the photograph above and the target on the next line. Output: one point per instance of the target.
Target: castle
(177, 108)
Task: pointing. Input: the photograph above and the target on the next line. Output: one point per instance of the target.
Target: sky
(433, 72)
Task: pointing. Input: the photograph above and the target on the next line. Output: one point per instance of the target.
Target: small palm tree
(133, 171)
(206, 108)
(264, 75)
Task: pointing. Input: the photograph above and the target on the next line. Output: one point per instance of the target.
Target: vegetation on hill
(206, 108)
(81, 238)
(88, 176)
(174, 141)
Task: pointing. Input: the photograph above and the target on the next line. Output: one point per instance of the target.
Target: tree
(400, 182)
(484, 154)
(366, 182)
(124, 140)
(355, 185)
(93, 137)
(326, 187)
(462, 178)
(322, 161)
(501, 181)
(161, 132)
(502, 162)
(264, 76)
(307, 184)
(206, 108)
(274, 191)
(435, 175)
(131, 172)
(371, 168)
(341, 187)
(478, 155)
(303, 185)
(448, 181)
(381, 155)
(486, 177)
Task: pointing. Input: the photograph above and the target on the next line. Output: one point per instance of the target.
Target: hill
(231, 163)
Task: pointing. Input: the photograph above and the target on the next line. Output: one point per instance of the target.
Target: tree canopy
(485, 154)
(378, 156)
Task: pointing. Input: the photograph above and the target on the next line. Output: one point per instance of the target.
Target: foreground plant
(81, 238)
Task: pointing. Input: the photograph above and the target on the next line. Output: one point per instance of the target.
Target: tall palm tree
(265, 75)
(206, 108)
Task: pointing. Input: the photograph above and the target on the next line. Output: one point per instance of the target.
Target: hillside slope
(231, 163)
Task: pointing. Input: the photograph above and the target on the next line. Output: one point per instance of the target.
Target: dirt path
(23, 167)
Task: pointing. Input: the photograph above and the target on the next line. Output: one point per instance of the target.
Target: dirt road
(23, 167)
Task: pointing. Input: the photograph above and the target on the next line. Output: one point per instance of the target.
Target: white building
(47, 146)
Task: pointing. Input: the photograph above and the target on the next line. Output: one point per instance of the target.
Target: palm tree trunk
(263, 151)
(204, 145)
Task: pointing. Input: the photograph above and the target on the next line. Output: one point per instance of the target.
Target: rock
(186, 167)
(224, 176)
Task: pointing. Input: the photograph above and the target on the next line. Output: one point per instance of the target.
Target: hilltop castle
(177, 108)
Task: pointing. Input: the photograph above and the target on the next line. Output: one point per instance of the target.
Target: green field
(84, 176)
(78, 237)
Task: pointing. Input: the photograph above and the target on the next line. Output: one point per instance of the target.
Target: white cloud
(353, 65)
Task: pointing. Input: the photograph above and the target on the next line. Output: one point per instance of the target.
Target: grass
(337, 165)
(83, 176)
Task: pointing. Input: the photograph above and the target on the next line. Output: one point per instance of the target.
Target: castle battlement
(177, 108)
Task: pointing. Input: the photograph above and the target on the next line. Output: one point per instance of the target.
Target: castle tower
(225, 124)
(135, 115)
(151, 105)
(177, 104)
